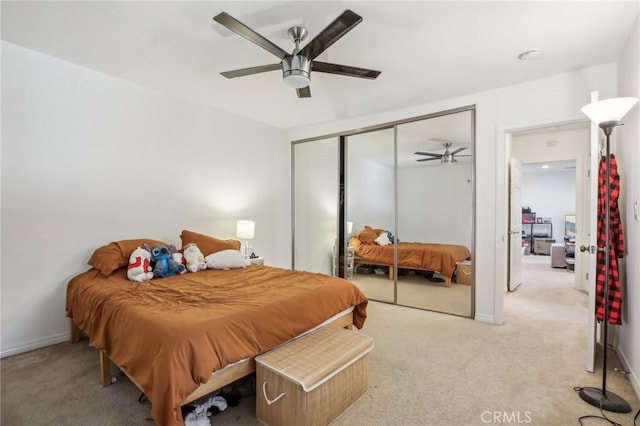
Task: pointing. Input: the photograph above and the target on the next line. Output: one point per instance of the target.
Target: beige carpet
(418, 292)
(426, 369)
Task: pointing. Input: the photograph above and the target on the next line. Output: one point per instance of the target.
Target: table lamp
(245, 230)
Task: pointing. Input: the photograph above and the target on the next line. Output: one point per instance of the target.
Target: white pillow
(382, 240)
(226, 259)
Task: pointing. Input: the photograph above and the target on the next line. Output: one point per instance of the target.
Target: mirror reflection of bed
(434, 208)
(429, 276)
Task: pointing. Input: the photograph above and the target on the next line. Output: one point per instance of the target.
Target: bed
(440, 258)
(181, 337)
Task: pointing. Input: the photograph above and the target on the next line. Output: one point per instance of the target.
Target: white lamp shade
(245, 229)
(609, 109)
(296, 81)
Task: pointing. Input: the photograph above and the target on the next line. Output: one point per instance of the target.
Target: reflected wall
(371, 202)
(315, 208)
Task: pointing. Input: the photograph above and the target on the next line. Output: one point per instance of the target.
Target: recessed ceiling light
(545, 166)
(530, 55)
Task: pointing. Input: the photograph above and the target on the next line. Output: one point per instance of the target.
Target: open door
(588, 243)
(515, 224)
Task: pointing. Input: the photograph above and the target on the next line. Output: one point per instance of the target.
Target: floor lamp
(607, 115)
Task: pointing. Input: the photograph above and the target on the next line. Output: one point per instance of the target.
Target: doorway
(554, 162)
(586, 187)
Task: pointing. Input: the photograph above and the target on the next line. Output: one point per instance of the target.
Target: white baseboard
(633, 377)
(36, 344)
(485, 318)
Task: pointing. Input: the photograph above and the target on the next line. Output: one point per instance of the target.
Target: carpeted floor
(426, 369)
(418, 292)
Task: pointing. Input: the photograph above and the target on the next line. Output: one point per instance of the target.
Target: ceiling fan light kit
(297, 66)
(296, 71)
(447, 157)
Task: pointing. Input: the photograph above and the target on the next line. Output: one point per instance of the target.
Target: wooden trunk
(310, 381)
(463, 272)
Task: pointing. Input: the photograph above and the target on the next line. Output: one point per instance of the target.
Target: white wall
(551, 195)
(570, 144)
(88, 159)
(628, 156)
(553, 99)
(370, 195)
(435, 204)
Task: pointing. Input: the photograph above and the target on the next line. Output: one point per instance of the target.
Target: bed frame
(361, 261)
(218, 379)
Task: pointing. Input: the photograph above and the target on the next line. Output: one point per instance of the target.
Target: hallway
(546, 291)
(549, 311)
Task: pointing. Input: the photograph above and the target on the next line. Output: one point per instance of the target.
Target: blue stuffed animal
(165, 265)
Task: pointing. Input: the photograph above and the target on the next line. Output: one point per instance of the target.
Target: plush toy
(194, 258)
(165, 265)
(139, 268)
(179, 258)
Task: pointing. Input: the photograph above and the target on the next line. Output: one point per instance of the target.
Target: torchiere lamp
(607, 115)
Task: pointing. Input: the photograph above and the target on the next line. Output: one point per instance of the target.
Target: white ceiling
(423, 135)
(425, 50)
(549, 167)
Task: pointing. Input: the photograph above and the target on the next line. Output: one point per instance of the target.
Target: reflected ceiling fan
(447, 157)
(297, 66)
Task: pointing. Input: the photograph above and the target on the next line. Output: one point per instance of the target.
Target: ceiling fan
(297, 66)
(447, 157)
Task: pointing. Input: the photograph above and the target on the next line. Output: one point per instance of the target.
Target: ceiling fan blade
(427, 159)
(458, 150)
(242, 30)
(347, 70)
(334, 31)
(429, 154)
(305, 92)
(251, 70)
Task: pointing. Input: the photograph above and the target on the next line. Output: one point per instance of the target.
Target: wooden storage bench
(463, 272)
(311, 380)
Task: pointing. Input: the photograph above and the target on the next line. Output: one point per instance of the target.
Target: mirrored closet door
(315, 213)
(371, 206)
(435, 213)
(391, 208)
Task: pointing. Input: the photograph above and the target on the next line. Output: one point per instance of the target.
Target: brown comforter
(441, 258)
(171, 334)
